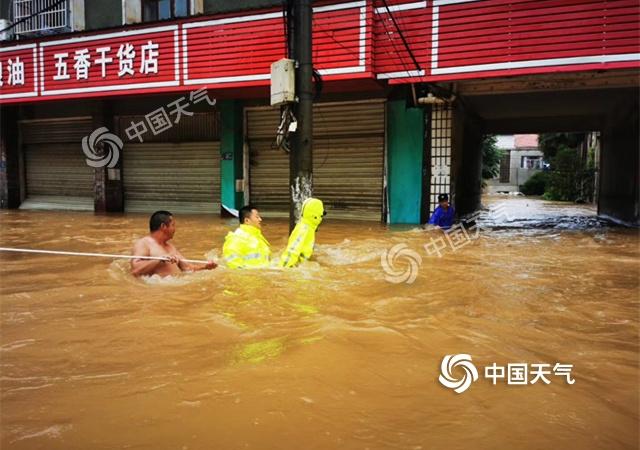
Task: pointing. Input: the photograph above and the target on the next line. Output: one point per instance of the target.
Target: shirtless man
(162, 227)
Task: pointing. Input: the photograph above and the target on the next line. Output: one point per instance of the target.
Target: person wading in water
(162, 227)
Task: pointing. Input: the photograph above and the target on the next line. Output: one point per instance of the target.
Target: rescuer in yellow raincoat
(303, 236)
(246, 247)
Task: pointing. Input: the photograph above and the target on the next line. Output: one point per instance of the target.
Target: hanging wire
(285, 26)
(393, 44)
(404, 41)
(282, 132)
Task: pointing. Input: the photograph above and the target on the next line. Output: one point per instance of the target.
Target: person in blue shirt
(444, 214)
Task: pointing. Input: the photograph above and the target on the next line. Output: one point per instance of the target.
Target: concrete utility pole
(300, 156)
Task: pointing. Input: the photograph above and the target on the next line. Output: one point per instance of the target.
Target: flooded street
(329, 355)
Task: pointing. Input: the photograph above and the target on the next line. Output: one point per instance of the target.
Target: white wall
(506, 142)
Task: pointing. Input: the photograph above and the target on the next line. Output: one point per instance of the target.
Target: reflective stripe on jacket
(300, 246)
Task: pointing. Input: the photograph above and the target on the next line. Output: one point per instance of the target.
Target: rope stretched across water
(100, 255)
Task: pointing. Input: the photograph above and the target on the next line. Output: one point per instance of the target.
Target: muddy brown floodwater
(329, 355)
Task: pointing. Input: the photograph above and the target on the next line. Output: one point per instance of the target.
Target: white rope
(100, 255)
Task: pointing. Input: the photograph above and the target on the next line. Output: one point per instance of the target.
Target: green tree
(564, 177)
(536, 185)
(550, 143)
(491, 156)
(571, 176)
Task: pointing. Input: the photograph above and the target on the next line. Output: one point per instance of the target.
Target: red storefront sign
(490, 38)
(553, 34)
(18, 72)
(226, 52)
(341, 46)
(127, 60)
(402, 41)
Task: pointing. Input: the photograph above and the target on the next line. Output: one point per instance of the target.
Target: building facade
(521, 158)
(135, 105)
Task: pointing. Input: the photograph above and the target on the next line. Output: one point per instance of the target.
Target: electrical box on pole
(283, 82)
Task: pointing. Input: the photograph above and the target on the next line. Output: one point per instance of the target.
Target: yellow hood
(313, 212)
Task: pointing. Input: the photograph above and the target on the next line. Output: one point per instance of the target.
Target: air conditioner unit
(8, 34)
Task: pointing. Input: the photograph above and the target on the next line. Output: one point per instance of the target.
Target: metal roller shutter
(179, 177)
(268, 168)
(57, 176)
(348, 159)
(177, 169)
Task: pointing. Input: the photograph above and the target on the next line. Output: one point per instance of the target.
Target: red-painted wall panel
(446, 40)
(481, 38)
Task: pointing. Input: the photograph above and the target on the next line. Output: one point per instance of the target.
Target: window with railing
(40, 16)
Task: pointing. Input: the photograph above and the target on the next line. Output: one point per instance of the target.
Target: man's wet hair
(158, 218)
(245, 212)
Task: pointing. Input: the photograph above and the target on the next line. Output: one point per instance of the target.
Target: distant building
(521, 159)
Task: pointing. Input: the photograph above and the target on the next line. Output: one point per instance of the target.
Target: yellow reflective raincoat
(246, 247)
(303, 236)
